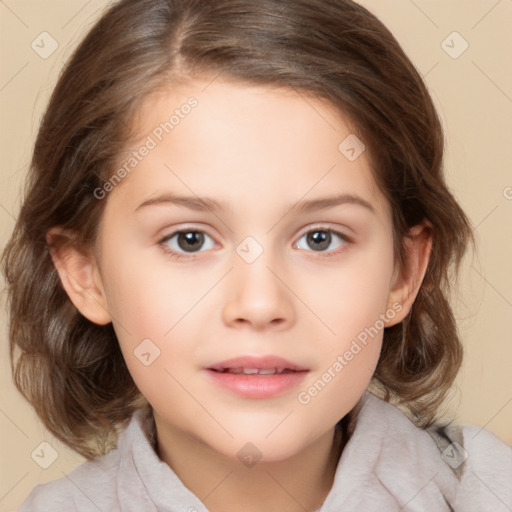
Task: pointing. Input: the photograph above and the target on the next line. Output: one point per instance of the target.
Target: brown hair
(71, 370)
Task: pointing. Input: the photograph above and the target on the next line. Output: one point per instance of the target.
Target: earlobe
(79, 276)
(418, 247)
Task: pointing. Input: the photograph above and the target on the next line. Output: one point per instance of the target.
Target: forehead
(237, 142)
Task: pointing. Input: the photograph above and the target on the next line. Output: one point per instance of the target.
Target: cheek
(354, 305)
(156, 308)
(353, 298)
(148, 295)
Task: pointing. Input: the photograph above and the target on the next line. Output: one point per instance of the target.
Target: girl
(295, 144)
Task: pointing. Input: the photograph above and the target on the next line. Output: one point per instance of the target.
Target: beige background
(473, 93)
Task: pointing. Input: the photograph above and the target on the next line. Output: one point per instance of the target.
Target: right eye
(187, 241)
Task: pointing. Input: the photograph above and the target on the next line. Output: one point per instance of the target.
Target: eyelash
(174, 255)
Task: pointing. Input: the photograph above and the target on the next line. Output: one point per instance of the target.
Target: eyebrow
(209, 204)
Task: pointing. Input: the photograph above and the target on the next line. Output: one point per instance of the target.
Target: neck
(299, 483)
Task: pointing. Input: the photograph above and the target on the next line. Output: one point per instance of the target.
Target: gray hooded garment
(388, 465)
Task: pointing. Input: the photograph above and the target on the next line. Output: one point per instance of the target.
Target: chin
(257, 444)
(255, 452)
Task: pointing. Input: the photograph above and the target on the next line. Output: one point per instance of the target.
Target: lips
(257, 377)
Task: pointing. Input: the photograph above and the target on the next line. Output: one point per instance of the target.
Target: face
(247, 265)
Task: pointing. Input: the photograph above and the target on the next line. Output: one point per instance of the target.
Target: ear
(80, 277)
(405, 288)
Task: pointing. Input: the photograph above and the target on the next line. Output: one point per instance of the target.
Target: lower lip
(257, 386)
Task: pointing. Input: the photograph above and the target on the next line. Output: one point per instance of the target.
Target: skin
(259, 150)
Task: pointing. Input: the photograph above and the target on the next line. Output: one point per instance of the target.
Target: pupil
(192, 238)
(322, 238)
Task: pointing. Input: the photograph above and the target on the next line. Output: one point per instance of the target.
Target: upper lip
(260, 363)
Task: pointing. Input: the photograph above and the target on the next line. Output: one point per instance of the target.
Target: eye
(186, 241)
(320, 239)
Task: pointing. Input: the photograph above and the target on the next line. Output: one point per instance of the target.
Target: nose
(258, 297)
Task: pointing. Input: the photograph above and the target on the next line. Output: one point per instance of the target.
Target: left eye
(186, 241)
(320, 239)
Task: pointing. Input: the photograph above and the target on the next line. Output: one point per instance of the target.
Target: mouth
(262, 365)
(257, 377)
(254, 371)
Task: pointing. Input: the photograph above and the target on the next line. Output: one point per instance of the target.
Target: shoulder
(89, 487)
(486, 481)
(104, 482)
(466, 466)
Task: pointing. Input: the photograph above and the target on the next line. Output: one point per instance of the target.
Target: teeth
(269, 371)
(255, 371)
(250, 371)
